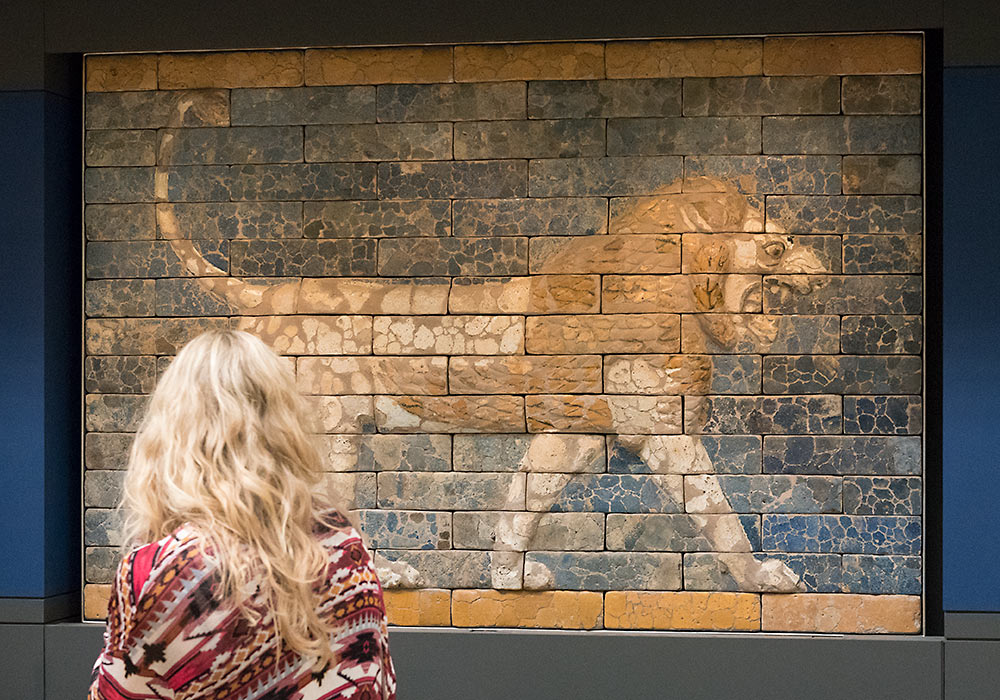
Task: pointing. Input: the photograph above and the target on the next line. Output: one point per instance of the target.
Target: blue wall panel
(971, 339)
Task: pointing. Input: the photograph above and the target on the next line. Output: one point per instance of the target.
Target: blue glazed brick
(846, 534)
(684, 454)
(882, 575)
(602, 571)
(605, 493)
(841, 454)
(877, 495)
(882, 415)
(763, 573)
(782, 494)
(400, 529)
(736, 374)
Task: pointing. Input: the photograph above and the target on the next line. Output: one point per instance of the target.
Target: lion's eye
(774, 248)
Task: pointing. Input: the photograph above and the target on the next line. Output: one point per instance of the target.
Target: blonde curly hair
(225, 448)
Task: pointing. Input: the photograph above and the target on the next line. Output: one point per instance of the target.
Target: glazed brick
(113, 413)
(144, 259)
(538, 374)
(230, 220)
(568, 413)
(844, 534)
(560, 99)
(707, 205)
(100, 564)
(683, 57)
(878, 335)
(859, 53)
(763, 573)
(531, 217)
(419, 608)
(726, 493)
(195, 183)
(881, 94)
(372, 375)
(377, 219)
(680, 293)
(882, 174)
(883, 415)
(766, 174)
(841, 613)
(454, 179)
(757, 333)
(102, 489)
(374, 142)
(602, 571)
(106, 450)
(882, 575)
(548, 609)
(883, 253)
(684, 454)
(421, 295)
(401, 568)
(762, 414)
(847, 214)
(229, 69)
(808, 454)
(353, 490)
(540, 294)
(331, 258)
(120, 147)
(121, 72)
(119, 298)
(851, 134)
(596, 333)
(538, 138)
(847, 294)
(758, 95)
(425, 257)
(678, 136)
(602, 177)
(189, 297)
(842, 374)
(451, 102)
(118, 185)
(343, 414)
(541, 61)
(119, 222)
(452, 414)
(156, 110)
(311, 335)
(102, 528)
(304, 181)
(880, 495)
(368, 66)
(406, 529)
(110, 374)
(680, 532)
(682, 374)
(605, 493)
(144, 336)
(303, 105)
(417, 453)
(760, 253)
(233, 144)
(682, 610)
(530, 453)
(604, 254)
(450, 491)
(521, 532)
(449, 335)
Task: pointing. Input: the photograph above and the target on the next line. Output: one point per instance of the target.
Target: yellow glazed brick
(378, 65)
(424, 608)
(842, 55)
(738, 612)
(230, 69)
(553, 609)
(117, 73)
(555, 61)
(692, 58)
(841, 613)
(95, 601)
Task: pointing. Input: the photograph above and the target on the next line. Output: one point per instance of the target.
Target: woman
(251, 584)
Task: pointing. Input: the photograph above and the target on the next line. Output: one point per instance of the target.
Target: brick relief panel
(599, 334)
